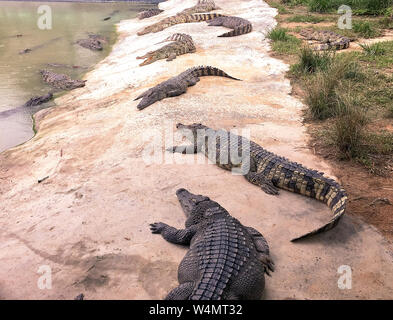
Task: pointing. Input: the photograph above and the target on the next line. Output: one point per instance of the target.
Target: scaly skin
(330, 40)
(35, 101)
(182, 17)
(267, 170)
(226, 260)
(239, 25)
(149, 13)
(178, 85)
(183, 44)
(201, 6)
(94, 42)
(61, 81)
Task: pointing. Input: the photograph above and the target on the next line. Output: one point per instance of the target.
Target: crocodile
(35, 101)
(329, 39)
(178, 19)
(265, 169)
(188, 15)
(93, 42)
(28, 50)
(178, 85)
(61, 81)
(226, 260)
(182, 44)
(201, 6)
(239, 25)
(149, 13)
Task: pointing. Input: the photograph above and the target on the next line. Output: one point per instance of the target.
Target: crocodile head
(192, 127)
(196, 207)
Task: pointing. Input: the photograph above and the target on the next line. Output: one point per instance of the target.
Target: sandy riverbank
(89, 220)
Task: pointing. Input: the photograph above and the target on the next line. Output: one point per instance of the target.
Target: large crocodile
(182, 44)
(149, 13)
(61, 81)
(329, 40)
(239, 25)
(178, 19)
(226, 260)
(265, 169)
(178, 85)
(94, 42)
(186, 16)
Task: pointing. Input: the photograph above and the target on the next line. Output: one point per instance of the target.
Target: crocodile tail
(337, 204)
(203, 71)
(243, 29)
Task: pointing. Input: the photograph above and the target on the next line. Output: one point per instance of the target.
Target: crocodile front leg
(191, 149)
(173, 235)
(261, 181)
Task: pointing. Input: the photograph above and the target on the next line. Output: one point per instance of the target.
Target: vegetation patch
(365, 29)
(282, 42)
(379, 54)
(359, 7)
(306, 18)
(311, 61)
(281, 9)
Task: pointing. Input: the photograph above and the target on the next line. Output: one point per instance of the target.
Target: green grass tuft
(278, 34)
(375, 49)
(348, 131)
(311, 61)
(365, 29)
(283, 42)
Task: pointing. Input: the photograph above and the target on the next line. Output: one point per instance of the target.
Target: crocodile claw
(270, 189)
(157, 227)
(268, 263)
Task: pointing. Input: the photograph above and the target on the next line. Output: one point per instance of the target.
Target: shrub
(278, 34)
(321, 94)
(348, 130)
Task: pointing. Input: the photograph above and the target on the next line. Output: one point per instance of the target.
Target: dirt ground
(371, 195)
(88, 222)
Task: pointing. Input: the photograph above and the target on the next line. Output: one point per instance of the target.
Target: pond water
(21, 27)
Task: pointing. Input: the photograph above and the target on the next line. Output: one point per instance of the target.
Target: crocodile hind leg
(171, 57)
(249, 284)
(261, 181)
(182, 292)
(262, 248)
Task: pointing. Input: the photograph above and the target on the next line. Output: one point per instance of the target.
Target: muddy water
(19, 77)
